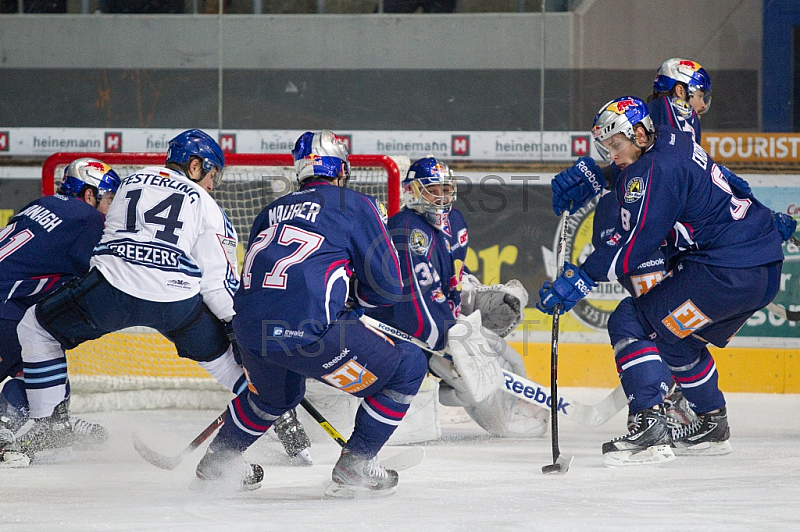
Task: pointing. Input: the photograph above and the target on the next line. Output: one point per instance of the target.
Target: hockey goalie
(452, 312)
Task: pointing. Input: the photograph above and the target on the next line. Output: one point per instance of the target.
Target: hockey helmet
(86, 171)
(685, 71)
(320, 154)
(197, 143)
(620, 116)
(420, 194)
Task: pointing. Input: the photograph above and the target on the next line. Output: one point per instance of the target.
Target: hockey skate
(227, 469)
(11, 454)
(677, 409)
(294, 438)
(647, 442)
(86, 434)
(708, 435)
(357, 477)
(48, 434)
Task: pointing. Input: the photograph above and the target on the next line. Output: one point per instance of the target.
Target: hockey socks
(641, 373)
(376, 420)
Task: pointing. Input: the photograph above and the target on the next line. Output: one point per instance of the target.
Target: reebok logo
(535, 393)
(589, 176)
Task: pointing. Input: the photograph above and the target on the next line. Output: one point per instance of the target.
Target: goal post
(138, 368)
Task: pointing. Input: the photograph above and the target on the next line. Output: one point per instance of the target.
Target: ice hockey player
(681, 94)
(431, 237)
(166, 260)
(307, 251)
(48, 243)
(725, 256)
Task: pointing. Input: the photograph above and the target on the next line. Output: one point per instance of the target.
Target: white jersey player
(167, 260)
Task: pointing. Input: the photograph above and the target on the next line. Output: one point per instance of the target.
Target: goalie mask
(88, 172)
(690, 73)
(196, 143)
(430, 189)
(321, 154)
(620, 116)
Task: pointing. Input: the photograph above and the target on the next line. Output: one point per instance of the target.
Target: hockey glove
(576, 185)
(569, 288)
(785, 224)
(739, 186)
(237, 355)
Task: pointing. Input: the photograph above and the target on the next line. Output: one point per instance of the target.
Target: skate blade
(560, 466)
(58, 455)
(11, 459)
(342, 491)
(301, 459)
(716, 448)
(224, 485)
(655, 455)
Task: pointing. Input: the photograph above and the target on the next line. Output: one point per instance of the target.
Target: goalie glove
(502, 306)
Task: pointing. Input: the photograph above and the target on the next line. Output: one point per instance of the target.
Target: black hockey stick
(403, 460)
(400, 461)
(560, 463)
(171, 462)
(783, 312)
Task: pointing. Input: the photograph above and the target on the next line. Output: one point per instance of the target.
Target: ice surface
(468, 481)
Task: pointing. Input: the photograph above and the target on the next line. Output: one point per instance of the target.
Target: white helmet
(620, 116)
(322, 154)
(417, 195)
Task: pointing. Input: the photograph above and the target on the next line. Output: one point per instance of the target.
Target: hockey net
(138, 368)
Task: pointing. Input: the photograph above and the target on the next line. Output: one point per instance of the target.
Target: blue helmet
(620, 116)
(685, 71)
(321, 153)
(88, 172)
(196, 143)
(417, 195)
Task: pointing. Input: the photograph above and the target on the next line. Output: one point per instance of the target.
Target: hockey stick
(560, 463)
(783, 312)
(171, 462)
(400, 461)
(528, 390)
(403, 460)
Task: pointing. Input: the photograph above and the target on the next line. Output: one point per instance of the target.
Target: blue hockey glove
(739, 186)
(576, 185)
(785, 224)
(570, 287)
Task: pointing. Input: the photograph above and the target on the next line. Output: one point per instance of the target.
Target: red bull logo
(621, 106)
(694, 67)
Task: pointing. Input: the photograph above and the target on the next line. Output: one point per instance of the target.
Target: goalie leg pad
(473, 358)
(504, 415)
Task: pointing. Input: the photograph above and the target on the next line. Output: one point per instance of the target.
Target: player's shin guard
(640, 371)
(245, 422)
(381, 413)
(699, 382)
(45, 385)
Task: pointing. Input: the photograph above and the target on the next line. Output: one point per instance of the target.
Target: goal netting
(138, 368)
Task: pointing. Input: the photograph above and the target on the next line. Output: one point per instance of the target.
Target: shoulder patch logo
(418, 242)
(634, 190)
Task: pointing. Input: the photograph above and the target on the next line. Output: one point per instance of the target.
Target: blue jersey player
(48, 243)
(431, 237)
(166, 260)
(681, 94)
(725, 256)
(308, 252)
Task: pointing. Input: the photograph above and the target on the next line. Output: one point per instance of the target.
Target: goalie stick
(560, 463)
(403, 460)
(528, 390)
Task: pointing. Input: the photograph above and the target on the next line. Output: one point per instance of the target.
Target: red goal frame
(232, 159)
